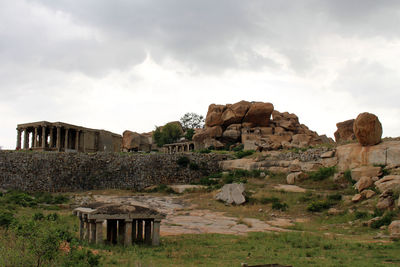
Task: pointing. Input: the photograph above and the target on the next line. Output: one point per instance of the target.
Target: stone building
(60, 136)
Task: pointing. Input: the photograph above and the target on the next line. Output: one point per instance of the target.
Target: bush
(335, 197)
(205, 151)
(38, 216)
(361, 215)
(267, 200)
(245, 153)
(207, 181)
(386, 219)
(279, 206)
(322, 173)
(238, 148)
(193, 166)
(183, 161)
(347, 176)
(317, 206)
(6, 218)
(189, 134)
(20, 198)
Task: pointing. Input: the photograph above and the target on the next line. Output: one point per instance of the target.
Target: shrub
(267, 200)
(361, 215)
(238, 148)
(38, 216)
(20, 198)
(189, 134)
(322, 173)
(317, 206)
(386, 219)
(167, 134)
(183, 161)
(335, 197)
(207, 181)
(279, 206)
(347, 176)
(194, 166)
(205, 151)
(6, 218)
(244, 153)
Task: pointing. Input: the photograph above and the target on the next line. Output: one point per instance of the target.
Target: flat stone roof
(103, 211)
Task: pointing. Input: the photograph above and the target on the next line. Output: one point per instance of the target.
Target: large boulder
(386, 200)
(367, 129)
(232, 133)
(208, 133)
(388, 182)
(214, 115)
(132, 141)
(363, 183)
(232, 194)
(368, 171)
(344, 132)
(235, 113)
(259, 114)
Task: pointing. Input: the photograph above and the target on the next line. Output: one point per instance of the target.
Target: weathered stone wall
(55, 172)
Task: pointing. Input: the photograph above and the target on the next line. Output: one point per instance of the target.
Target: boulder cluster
(250, 124)
(366, 129)
(132, 141)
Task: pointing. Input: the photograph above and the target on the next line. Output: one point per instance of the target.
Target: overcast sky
(134, 64)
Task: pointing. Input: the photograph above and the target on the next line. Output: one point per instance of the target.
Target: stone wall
(61, 172)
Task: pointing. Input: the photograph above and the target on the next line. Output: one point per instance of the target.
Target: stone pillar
(19, 131)
(58, 142)
(156, 232)
(99, 232)
(66, 139)
(44, 137)
(139, 230)
(51, 145)
(35, 141)
(81, 227)
(121, 231)
(92, 235)
(134, 231)
(26, 139)
(147, 232)
(109, 231)
(77, 140)
(128, 233)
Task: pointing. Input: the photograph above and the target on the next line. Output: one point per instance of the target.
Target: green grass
(297, 249)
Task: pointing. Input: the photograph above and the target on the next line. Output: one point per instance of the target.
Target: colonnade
(122, 231)
(179, 147)
(45, 137)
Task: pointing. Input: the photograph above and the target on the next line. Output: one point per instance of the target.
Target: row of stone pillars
(40, 134)
(121, 231)
(179, 147)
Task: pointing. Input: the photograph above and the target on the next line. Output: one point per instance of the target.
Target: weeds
(244, 153)
(322, 173)
(386, 219)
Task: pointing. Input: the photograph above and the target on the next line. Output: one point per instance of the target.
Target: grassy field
(34, 227)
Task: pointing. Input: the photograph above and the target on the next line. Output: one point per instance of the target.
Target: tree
(167, 134)
(192, 120)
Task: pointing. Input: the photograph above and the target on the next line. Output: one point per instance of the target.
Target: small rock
(328, 154)
(363, 183)
(394, 229)
(367, 194)
(356, 198)
(334, 211)
(386, 200)
(295, 176)
(260, 210)
(262, 174)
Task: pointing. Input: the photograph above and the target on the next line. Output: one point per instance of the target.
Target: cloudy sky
(122, 64)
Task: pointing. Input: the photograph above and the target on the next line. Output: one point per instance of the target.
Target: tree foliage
(167, 134)
(192, 120)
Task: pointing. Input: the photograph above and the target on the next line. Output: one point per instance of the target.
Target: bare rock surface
(183, 218)
(259, 114)
(365, 171)
(180, 188)
(386, 200)
(367, 129)
(289, 188)
(354, 155)
(232, 194)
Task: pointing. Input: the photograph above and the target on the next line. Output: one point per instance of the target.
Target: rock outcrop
(354, 155)
(367, 129)
(250, 124)
(132, 141)
(345, 132)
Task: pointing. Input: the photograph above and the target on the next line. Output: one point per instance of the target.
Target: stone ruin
(60, 136)
(126, 224)
(250, 124)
